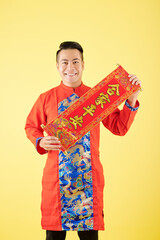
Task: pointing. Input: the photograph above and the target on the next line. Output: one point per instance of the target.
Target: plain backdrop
(111, 32)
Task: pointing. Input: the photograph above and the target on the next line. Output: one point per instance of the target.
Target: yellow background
(111, 32)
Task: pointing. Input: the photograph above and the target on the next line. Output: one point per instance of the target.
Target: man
(72, 184)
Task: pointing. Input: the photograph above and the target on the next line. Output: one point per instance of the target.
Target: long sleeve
(34, 120)
(119, 121)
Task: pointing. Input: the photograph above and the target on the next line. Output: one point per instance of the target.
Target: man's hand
(50, 143)
(133, 98)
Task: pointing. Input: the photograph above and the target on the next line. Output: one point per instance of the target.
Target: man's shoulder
(53, 91)
(49, 92)
(86, 87)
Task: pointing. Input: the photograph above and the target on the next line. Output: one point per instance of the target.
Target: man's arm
(34, 120)
(133, 98)
(34, 131)
(119, 122)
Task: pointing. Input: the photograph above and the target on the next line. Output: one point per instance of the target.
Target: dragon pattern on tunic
(75, 178)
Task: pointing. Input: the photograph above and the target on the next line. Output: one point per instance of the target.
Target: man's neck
(72, 85)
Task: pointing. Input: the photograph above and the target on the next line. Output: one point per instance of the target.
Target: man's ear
(57, 66)
(83, 65)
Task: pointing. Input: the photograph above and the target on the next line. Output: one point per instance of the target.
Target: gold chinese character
(76, 121)
(111, 91)
(89, 109)
(102, 98)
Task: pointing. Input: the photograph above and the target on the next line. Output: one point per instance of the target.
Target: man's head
(70, 64)
(69, 45)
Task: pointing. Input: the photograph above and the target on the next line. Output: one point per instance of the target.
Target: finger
(53, 142)
(52, 147)
(138, 82)
(135, 81)
(133, 77)
(51, 138)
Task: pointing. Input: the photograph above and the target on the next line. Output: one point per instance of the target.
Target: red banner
(91, 108)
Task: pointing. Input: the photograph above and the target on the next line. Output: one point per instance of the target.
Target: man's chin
(71, 79)
(71, 82)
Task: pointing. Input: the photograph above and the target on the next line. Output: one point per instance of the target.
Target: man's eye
(64, 62)
(76, 62)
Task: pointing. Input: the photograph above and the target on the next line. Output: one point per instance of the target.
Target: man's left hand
(133, 98)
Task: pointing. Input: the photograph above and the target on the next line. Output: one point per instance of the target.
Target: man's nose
(70, 65)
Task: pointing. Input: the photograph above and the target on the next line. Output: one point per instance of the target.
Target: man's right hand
(50, 143)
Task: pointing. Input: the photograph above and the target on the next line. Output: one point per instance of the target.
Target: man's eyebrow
(68, 60)
(64, 60)
(76, 59)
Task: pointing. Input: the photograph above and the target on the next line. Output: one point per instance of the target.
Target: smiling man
(72, 184)
(70, 65)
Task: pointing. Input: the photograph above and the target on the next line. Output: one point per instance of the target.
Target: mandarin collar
(71, 88)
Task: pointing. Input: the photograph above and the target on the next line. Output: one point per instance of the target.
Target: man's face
(70, 67)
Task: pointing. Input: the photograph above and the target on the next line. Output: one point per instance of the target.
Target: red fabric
(44, 111)
(95, 105)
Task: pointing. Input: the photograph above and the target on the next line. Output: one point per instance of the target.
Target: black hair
(69, 45)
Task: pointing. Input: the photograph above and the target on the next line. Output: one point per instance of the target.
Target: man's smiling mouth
(70, 75)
